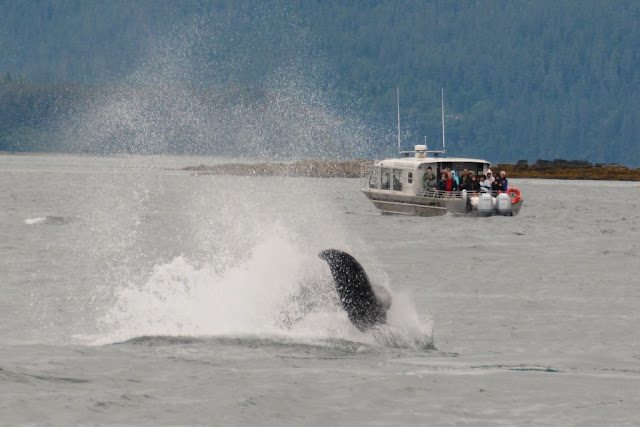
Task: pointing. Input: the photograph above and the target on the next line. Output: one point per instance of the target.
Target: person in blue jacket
(502, 183)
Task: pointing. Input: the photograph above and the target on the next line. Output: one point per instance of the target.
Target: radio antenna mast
(443, 120)
(398, 103)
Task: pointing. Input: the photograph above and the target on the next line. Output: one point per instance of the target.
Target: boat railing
(443, 194)
(454, 194)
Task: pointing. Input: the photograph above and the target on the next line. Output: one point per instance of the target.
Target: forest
(522, 79)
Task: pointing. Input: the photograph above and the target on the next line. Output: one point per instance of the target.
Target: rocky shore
(543, 169)
(568, 169)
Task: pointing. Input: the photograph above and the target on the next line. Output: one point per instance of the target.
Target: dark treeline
(522, 79)
(27, 109)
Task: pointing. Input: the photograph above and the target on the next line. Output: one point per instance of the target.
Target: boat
(397, 185)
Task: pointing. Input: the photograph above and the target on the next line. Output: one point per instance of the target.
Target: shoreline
(542, 169)
(351, 169)
(575, 170)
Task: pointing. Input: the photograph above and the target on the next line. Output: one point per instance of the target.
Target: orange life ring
(514, 193)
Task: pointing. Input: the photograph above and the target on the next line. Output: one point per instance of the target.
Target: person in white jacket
(490, 177)
(485, 185)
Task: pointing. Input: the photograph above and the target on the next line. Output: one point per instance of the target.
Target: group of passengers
(500, 184)
(449, 182)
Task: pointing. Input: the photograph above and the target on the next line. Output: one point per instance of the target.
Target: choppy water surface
(133, 292)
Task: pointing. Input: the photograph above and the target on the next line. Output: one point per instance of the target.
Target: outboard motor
(503, 204)
(485, 204)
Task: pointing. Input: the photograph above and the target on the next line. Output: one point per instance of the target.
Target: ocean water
(132, 292)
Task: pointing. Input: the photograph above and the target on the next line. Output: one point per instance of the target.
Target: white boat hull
(398, 204)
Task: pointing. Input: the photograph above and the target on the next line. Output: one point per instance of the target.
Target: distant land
(542, 169)
(563, 169)
(301, 168)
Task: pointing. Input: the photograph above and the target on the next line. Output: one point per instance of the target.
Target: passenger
(430, 181)
(475, 184)
(496, 187)
(468, 182)
(450, 184)
(503, 180)
(463, 179)
(490, 177)
(500, 184)
(443, 180)
(485, 185)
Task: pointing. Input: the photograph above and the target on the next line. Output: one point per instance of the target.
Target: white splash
(249, 299)
(181, 299)
(34, 221)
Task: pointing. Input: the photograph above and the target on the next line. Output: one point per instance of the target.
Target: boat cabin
(406, 175)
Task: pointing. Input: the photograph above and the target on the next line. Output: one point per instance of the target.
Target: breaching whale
(357, 296)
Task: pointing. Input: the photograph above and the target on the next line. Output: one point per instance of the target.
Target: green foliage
(523, 79)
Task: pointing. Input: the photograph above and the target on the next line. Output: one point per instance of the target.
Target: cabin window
(397, 180)
(410, 177)
(386, 179)
(374, 178)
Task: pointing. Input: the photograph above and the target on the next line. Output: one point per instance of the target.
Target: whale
(364, 307)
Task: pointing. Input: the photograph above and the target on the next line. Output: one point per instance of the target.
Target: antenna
(443, 120)
(398, 102)
(425, 151)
